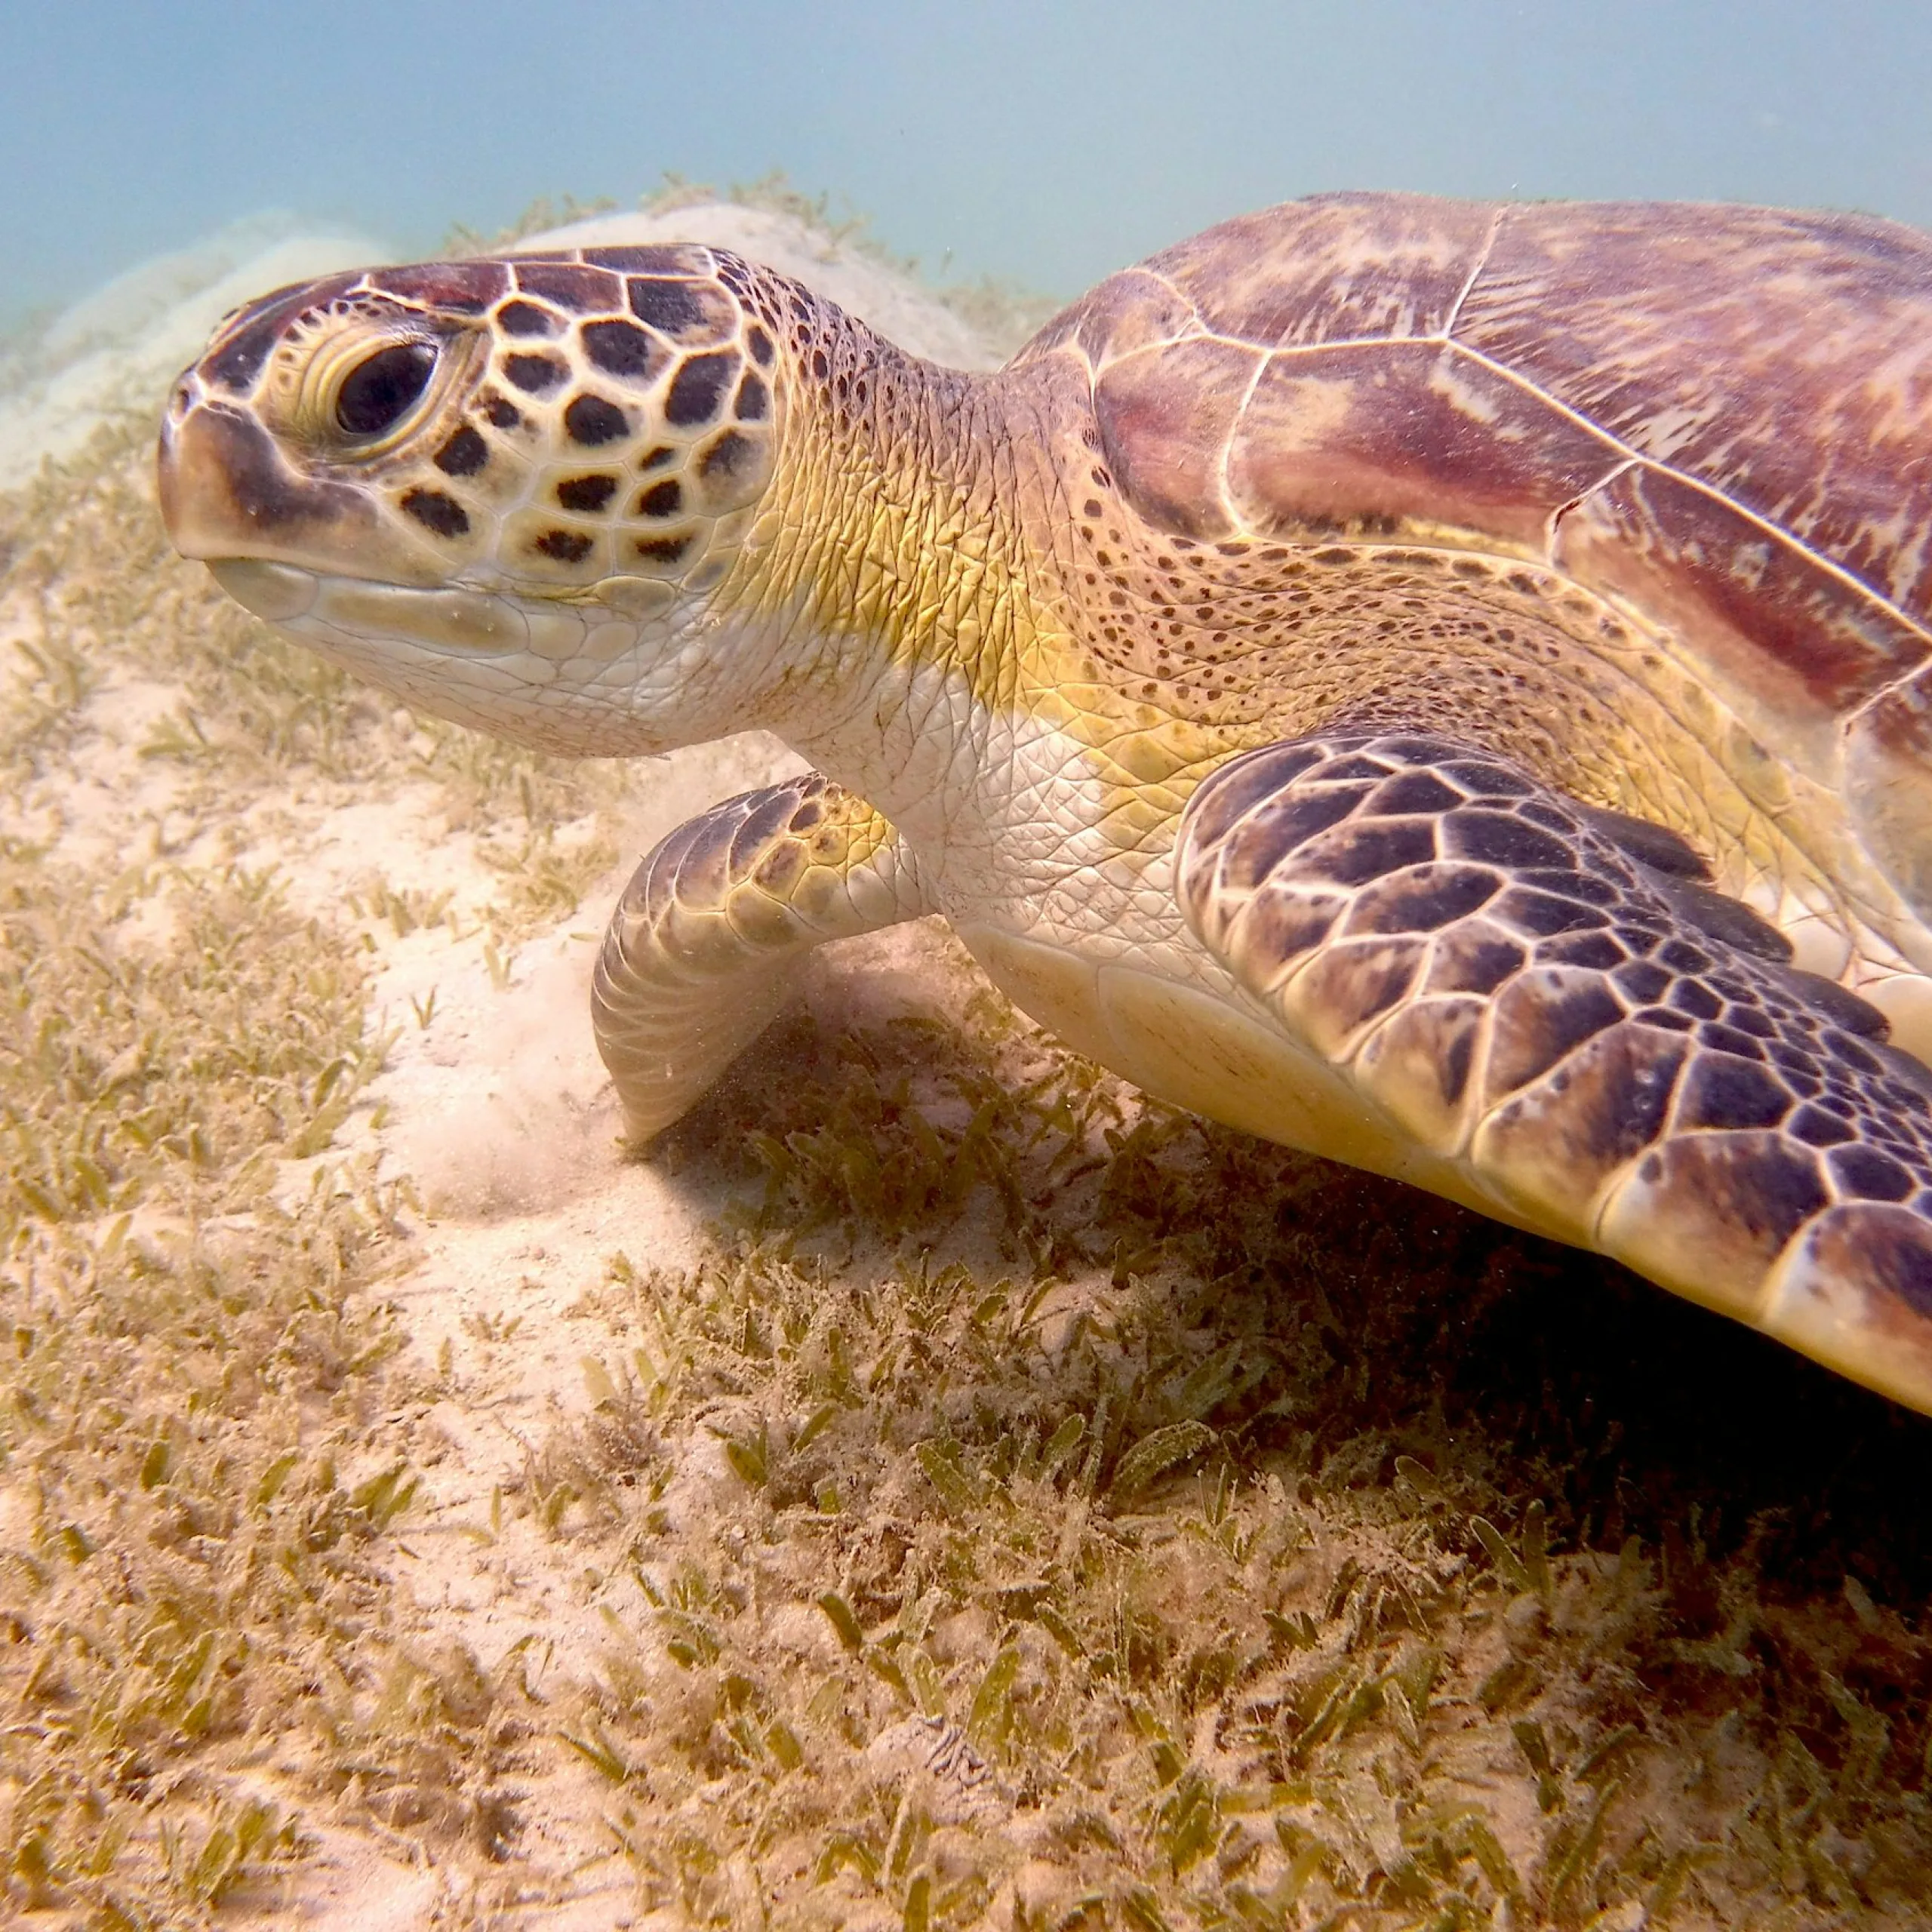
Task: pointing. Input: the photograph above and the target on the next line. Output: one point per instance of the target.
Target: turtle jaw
(584, 678)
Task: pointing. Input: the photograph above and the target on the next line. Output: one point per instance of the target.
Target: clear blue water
(1044, 140)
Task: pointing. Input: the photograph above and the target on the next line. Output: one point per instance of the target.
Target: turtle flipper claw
(1519, 995)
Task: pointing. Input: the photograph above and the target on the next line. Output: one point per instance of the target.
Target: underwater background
(1045, 142)
(936, 1488)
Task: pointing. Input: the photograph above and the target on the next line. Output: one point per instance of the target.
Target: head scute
(548, 422)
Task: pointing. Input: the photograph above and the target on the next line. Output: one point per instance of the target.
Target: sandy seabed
(933, 1488)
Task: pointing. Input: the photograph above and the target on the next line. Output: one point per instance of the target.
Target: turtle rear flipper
(1588, 1045)
(706, 944)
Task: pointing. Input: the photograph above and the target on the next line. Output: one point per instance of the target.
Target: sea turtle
(1445, 685)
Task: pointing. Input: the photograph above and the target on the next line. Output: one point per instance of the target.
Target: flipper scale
(706, 944)
(1610, 1052)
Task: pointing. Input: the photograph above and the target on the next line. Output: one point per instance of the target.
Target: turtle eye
(378, 393)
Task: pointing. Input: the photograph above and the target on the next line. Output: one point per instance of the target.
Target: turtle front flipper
(1567, 1028)
(706, 942)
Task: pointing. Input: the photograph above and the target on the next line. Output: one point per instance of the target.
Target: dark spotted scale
(622, 348)
(698, 389)
(1604, 1049)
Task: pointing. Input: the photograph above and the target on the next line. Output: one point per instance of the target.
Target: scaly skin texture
(642, 497)
(704, 947)
(1555, 1020)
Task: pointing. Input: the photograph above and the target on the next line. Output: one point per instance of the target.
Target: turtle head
(505, 489)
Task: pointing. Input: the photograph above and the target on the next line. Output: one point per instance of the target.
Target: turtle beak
(195, 501)
(227, 490)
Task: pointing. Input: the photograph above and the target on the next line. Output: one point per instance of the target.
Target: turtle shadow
(1565, 1379)
(1405, 1391)
(1627, 1410)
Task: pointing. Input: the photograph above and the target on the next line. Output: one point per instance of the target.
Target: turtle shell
(1717, 417)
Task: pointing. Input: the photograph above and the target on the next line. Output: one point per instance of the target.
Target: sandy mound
(117, 349)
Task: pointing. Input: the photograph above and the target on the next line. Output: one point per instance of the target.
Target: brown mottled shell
(1720, 416)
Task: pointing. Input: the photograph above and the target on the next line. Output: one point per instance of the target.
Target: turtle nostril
(378, 391)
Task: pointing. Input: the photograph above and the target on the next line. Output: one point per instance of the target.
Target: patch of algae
(200, 1464)
(255, 719)
(1239, 1541)
(190, 1478)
